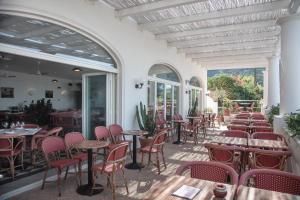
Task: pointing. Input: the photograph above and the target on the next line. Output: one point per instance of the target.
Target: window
(163, 91)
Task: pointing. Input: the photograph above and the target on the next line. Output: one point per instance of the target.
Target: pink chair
(235, 133)
(261, 129)
(261, 124)
(102, 133)
(52, 147)
(239, 122)
(228, 155)
(268, 136)
(156, 147)
(11, 147)
(273, 180)
(191, 130)
(258, 117)
(117, 136)
(267, 159)
(37, 139)
(71, 139)
(238, 127)
(114, 162)
(211, 171)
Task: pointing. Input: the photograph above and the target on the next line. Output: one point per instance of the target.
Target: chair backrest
(241, 117)
(258, 117)
(73, 138)
(51, 145)
(54, 131)
(31, 126)
(239, 122)
(273, 180)
(117, 157)
(9, 143)
(235, 133)
(268, 159)
(159, 140)
(102, 133)
(238, 127)
(268, 136)
(261, 124)
(211, 171)
(262, 129)
(116, 132)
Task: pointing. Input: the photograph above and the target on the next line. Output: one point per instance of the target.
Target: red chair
(228, 155)
(267, 159)
(268, 136)
(114, 162)
(235, 133)
(71, 139)
(258, 117)
(239, 122)
(273, 180)
(117, 136)
(53, 147)
(238, 128)
(11, 146)
(261, 129)
(190, 130)
(261, 124)
(211, 171)
(37, 139)
(102, 133)
(156, 147)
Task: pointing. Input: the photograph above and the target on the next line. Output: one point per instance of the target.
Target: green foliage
(238, 87)
(193, 111)
(145, 120)
(274, 111)
(293, 123)
(39, 111)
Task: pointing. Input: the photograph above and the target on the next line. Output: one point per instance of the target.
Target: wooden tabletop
(230, 140)
(135, 132)
(249, 193)
(259, 143)
(91, 144)
(163, 190)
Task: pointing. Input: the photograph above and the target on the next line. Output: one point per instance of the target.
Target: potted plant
(192, 112)
(146, 121)
(274, 110)
(293, 123)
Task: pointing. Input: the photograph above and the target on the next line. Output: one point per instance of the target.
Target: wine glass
(12, 125)
(5, 125)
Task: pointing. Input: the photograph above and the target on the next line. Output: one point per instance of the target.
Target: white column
(265, 94)
(290, 64)
(273, 81)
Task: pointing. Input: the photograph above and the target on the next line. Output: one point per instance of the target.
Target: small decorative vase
(220, 191)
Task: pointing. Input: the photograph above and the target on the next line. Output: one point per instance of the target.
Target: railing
(257, 104)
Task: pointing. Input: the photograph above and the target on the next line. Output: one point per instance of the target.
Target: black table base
(88, 191)
(134, 166)
(178, 134)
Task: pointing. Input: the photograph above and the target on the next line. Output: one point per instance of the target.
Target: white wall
(136, 50)
(31, 87)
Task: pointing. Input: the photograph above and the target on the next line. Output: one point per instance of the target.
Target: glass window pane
(168, 102)
(176, 99)
(163, 72)
(160, 98)
(151, 96)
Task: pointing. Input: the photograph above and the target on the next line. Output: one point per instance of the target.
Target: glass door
(160, 99)
(169, 102)
(98, 102)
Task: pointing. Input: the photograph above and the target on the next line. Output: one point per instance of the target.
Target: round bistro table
(90, 145)
(134, 133)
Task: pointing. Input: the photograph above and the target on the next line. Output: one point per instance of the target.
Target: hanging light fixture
(77, 69)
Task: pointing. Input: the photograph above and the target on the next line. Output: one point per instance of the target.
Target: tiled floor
(139, 181)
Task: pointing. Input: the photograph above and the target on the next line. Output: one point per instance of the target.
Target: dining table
(251, 193)
(20, 131)
(179, 123)
(134, 134)
(89, 146)
(230, 140)
(273, 144)
(192, 118)
(163, 190)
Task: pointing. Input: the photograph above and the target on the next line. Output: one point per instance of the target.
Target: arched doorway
(195, 92)
(52, 42)
(163, 90)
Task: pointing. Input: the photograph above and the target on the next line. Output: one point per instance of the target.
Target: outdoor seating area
(149, 99)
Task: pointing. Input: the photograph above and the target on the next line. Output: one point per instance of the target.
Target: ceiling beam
(217, 29)
(234, 57)
(234, 61)
(231, 52)
(238, 65)
(223, 47)
(228, 39)
(265, 7)
(153, 6)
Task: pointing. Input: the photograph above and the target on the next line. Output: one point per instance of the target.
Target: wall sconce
(187, 82)
(139, 85)
(188, 91)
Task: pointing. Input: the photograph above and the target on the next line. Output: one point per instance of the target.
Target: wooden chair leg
(113, 186)
(67, 170)
(123, 174)
(12, 167)
(142, 160)
(80, 173)
(44, 179)
(59, 181)
(163, 157)
(157, 163)
(149, 159)
(76, 175)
